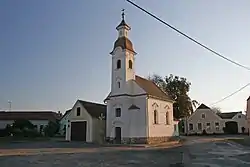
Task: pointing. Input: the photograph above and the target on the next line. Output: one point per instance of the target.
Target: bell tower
(123, 58)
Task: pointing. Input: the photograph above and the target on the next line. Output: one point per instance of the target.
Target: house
(138, 111)
(204, 118)
(248, 114)
(38, 118)
(86, 122)
(63, 123)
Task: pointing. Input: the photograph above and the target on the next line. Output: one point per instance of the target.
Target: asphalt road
(215, 152)
(197, 152)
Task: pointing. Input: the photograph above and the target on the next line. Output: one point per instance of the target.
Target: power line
(231, 94)
(187, 36)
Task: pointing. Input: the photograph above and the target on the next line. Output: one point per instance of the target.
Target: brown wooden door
(78, 131)
(118, 135)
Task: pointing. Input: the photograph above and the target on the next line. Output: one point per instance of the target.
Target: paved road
(197, 152)
(214, 152)
(88, 157)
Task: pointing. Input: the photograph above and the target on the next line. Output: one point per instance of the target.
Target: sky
(55, 52)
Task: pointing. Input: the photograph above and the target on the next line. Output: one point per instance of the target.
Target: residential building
(63, 123)
(39, 119)
(204, 118)
(248, 114)
(138, 111)
(86, 122)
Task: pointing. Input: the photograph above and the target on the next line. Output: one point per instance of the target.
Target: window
(167, 119)
(191, 127)
(217, 127)
(118, 64)
(203, 116)
(118, 112)
(130, 64)
(155, 117)
(78, 111)
(118, 84)
(199, 126)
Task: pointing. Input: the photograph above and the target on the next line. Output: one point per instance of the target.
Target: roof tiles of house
(203, 106)
(151, 88)
(228, 115)
(29, 115)
(94, 109)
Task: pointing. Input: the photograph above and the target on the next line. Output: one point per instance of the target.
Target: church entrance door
(118, 135)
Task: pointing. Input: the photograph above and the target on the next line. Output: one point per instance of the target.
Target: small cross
(123, 14)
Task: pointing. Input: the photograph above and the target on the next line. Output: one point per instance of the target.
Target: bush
(52, 129)
(204, 132)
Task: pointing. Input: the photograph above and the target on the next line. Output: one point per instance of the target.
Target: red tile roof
(151, 88)
(29, 115)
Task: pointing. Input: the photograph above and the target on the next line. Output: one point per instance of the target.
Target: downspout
(147, 125)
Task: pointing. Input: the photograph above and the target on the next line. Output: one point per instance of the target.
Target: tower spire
(123, 14)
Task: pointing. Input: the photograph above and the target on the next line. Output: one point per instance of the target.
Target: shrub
(204, 132)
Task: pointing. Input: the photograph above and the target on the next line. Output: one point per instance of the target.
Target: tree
(52, 128)
(22, 124)
(216, 110)
(177, 88)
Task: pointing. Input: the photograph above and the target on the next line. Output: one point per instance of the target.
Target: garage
(78, 131)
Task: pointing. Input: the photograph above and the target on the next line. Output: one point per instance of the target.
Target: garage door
(78, 131)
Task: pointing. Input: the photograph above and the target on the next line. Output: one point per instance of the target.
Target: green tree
(52, 128)
(22, 124)
(216, 110)
(177, 88)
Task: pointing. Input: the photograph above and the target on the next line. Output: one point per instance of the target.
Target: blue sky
(54, 52)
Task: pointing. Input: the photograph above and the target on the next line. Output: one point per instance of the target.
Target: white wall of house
(216, 123)
(248, 115)
(63, 123)
(205, 119)
(164, 127)
(38, 123)
(241, 119)
(132, 122)
(84, 116)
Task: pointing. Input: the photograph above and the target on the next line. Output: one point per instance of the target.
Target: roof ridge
(91, 102)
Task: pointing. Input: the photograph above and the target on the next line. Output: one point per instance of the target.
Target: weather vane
(123, 14)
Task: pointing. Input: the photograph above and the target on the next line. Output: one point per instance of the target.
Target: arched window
(167, 119)
(130, 64)
(118, 64)
(118, 84)
(155, 117)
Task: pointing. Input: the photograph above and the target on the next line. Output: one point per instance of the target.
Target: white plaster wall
(242, 122)
(160, 129)
(63, 122)
(4, 123)
(84, 116)
(248, 116)
(124, 75)
(132, 122)
(210, 117)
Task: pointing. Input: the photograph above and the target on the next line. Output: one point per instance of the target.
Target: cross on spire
(123, 14)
